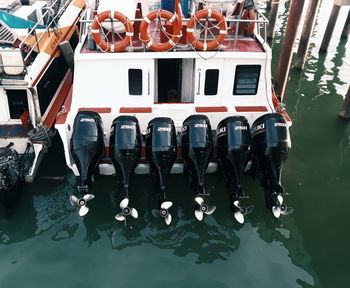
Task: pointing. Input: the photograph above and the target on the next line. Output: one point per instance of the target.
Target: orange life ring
(212, 44)
(105, 45)
(176, 34)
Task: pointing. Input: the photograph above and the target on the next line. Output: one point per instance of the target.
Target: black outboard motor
(161, 146)
(271, 144)
(197, 150)
(233, 143)
(87, 148)
(125, 152)
(10, 175)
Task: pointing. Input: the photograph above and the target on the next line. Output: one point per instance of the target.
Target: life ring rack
(212, 44)
(106, 46)
(176, 34)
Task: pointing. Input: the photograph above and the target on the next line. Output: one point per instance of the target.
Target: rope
(41, 134)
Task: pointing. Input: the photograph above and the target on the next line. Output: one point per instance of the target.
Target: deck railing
(261, 22)
(50, 27)
(25, 54)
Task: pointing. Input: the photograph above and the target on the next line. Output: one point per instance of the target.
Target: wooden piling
(268, 4)
(285, 59)
(345, 109)
(272, 18)
(305, 35)
(346, 29)
(330, 27)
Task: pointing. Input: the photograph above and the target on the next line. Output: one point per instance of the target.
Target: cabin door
(208, 82)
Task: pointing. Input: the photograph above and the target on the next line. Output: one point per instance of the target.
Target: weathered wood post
(305, 35)
(346, 29)
(268, 4)
(285, 59)
(345, 109)
(272, 18)
(330, 26)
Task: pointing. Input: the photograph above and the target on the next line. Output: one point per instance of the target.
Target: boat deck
(244, 44)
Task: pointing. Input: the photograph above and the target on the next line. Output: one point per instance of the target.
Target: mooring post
(346, 29)
(330, 26)
(268, 4)
(272, 18)
(305, 35)
(285, 59)
(345, 109)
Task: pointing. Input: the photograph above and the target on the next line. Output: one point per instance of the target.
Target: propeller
(240, 212)
(75, 201)
(126, 211)
(280, 208)
(203, 209)
(164, 211)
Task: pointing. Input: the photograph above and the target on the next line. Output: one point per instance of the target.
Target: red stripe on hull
(98, 110)
(59, 99)
(61, 119)
(135, 110)
(211, 109)
(251, 109)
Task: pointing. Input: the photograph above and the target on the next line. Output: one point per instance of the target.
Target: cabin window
(18, 102)
(211, 82)
(135, 81)
(246, 79)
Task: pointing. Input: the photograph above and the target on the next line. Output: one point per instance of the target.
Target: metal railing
(53, 23)
(261, 21)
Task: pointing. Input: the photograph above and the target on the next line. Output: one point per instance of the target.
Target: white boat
(171, 81)
(34, 83)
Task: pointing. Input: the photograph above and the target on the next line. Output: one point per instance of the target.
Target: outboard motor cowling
(125, 151)
(197, 150)
(87, 148)
(233, 145)
(161, 152)
(271, 144)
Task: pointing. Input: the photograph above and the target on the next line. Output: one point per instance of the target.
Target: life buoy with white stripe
(212, 44)
(176, 34)
(105, 45)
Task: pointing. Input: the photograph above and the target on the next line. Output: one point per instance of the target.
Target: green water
(46, 244)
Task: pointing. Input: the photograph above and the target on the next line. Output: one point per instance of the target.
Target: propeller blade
(199, 200)
(287, 211)
(155, 213)
(276, 211)
(239, 217)
(119, 217)
(210, 210)
(166, 205)
(280, 199)
(124, 203)
(73, 200)
(236, 204)
(199, 215)
(83, 210)
(168, 219)
(134, 213)
(88, 197)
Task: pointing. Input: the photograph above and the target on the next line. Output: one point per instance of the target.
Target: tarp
(15, 22)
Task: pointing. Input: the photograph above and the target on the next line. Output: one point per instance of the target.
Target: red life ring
(105, 45)
(144, 37)
(212, 44)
